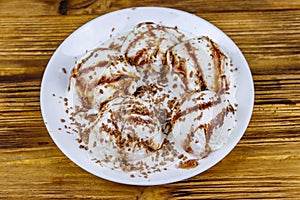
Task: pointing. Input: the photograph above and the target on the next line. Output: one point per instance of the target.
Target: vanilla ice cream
(128, 129)
(202, 123)
(152, 97)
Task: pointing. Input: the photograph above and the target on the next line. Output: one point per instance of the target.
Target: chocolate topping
(130, 96)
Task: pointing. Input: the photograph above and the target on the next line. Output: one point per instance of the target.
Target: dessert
(153, 97)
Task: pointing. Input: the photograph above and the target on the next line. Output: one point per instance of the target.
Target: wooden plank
(75, 7)
(265, 163)
(278, 41)
(53, 175)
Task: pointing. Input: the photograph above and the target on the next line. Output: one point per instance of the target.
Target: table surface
(264, 164)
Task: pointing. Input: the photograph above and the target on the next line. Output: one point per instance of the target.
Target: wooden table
(265, 163)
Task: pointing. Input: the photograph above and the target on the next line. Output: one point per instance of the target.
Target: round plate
(56, 77)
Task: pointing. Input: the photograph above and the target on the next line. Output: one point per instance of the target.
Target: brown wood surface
(265, 163)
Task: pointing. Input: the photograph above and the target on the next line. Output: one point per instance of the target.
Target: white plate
(89, 36)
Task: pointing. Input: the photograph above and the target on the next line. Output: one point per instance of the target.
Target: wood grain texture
(265, 163)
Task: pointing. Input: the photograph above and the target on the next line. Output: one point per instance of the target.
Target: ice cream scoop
(202, 65)
(202, 123)
(127, 130)
(98, 76)
(148, 41)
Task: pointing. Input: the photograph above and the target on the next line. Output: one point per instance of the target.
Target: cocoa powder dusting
(64, 70)
(189, 164)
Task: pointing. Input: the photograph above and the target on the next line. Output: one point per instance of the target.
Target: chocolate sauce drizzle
(142, 61)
